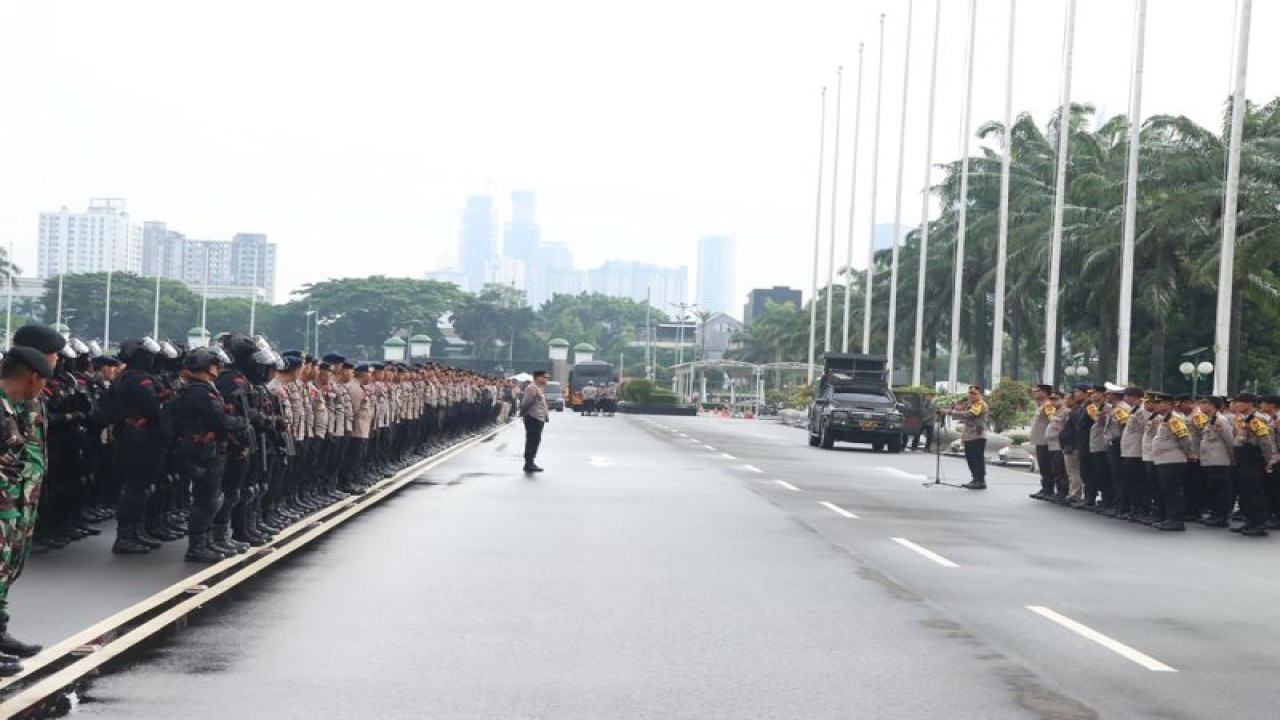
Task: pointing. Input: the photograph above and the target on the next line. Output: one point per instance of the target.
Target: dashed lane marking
(708, 447)
(753, 468)
(1111, 644)
(727, 456)
(925, 552)
(788, 485)
(837, 509)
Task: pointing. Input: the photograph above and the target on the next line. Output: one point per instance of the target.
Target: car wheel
(826, 440)
(895, 446)
(813, 439)
(877, 447)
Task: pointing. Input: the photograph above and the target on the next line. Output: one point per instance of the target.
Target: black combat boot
(127, 542)
(200, 551)
(221, 541)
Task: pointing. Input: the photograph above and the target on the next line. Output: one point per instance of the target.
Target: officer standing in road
(536, 415)
(23, 372)
(1255, 456)
(973, 414)
(1170, 451)
(139, 447)
(204, 428)
(1130, 479)
(1215, 447)
(1039, 424)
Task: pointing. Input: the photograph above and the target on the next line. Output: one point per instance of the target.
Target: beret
(41, 337)
(32, 359)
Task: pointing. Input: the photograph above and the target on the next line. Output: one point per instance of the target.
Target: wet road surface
(704, 568)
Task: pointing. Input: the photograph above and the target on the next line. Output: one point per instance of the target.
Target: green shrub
(638, 390)
(1019, 438)
(1011, 405)
(661, 397)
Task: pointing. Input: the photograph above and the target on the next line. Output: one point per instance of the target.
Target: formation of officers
(223, 445)
(1160, 459)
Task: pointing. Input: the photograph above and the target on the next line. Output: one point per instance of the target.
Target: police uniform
(1170, 450)
(974, 436)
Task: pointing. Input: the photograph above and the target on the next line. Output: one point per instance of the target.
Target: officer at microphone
(973, 415)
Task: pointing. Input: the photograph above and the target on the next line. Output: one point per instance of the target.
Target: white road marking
(600, 461)
(708, 447)
(727, 456)
(788, 485)
(836, 509)
(1114, 646)
(682, 435)
(925, 552)
(753, 468)
(694, 440)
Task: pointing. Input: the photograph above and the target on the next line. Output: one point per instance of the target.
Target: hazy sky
(352, 132)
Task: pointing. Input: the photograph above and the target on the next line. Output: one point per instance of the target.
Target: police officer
(139, 444)
(1133, 417)
(973, 415)
(1255, 457)
(1171, 450)
(1215, 447)
(204, 429)
(1039, 424)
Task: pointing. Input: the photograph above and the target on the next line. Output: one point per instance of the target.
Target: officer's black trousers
(1173, 481)
(1196, 490)
(1133, 478)
(1115, 471)
(1219, 494)
(532, 438)
(1059, 482)
(1044, 464)
(139, 464)
(975, 455)
(1250, 480)
(1097, 481)
(233, 478)
(204, 474)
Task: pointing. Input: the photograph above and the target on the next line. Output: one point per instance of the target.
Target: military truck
(852, 402)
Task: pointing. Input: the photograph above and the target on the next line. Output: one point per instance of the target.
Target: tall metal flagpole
(1226, 268)
(1059, 202)
(869, 285)
(853, 198)
(925, 197)
(204, 299)
(897, 208)
(835, 205)
(1002, 240)
(62, 274)
(817, 239)
(106, 309)
(1131, 193)
(155, 321)
(8, 323)
(253, 310)
(962, 229)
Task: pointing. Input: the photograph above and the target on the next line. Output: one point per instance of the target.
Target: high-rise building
(253, 263)
(478, 240)
(663, 287)
(522, 238)
(506, 271)
(207, 262)
(102, 238)
(163, 250)
(717, 273)
(758, 301)
(554, 274)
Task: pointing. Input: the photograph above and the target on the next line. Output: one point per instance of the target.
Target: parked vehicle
(853, 403)
(555, 396)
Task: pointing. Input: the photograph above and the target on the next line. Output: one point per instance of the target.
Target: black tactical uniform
(140, 451)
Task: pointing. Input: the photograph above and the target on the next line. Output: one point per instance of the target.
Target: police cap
(334, 359)
(1247, 397)
(1269, 399)
(1136, 392)
(1046, 389)
(105, 361)
(41, 337)
(1183, 397)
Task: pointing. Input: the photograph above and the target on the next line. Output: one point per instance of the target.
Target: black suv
(853, 403)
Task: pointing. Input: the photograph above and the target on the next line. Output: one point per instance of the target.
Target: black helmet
(239, 346)
(138, 350)
(200, 360)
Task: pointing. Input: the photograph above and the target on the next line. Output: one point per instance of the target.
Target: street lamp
(1192, 370)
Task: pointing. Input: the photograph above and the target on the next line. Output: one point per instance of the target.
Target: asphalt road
(707, 568)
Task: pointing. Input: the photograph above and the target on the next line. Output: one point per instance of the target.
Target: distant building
(717, 273)
(102, 238)
(448, 274)
(758, 301)
(522, 239)
(505, 271)
(253, 263)
(662, 287)
(163, 250)
(717, 336)
(554, 274)
(239, 265)
(477, 241)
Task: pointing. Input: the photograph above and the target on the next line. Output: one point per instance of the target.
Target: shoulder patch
(146, 383)
(1259, 427)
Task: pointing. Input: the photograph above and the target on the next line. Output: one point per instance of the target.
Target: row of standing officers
(1160, 459)
(225, 445)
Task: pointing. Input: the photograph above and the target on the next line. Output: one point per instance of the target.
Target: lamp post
(1192, 370)
(1077, 370)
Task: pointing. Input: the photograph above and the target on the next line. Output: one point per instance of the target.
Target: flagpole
(204, 296)
(817, 238)
(926, 196)
(869, 285)
(106, 315)
(253, 310)
(835, 205)
(1131, 193)
(1226, 267)
(8, 323)
(1002, 241)
(1059, 202)
(155, 322)
(62, 274)
(897, 208)
(962, 229)
(853, 197)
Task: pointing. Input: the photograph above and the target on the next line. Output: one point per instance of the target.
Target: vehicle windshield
(553, 388)
(860, 398)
